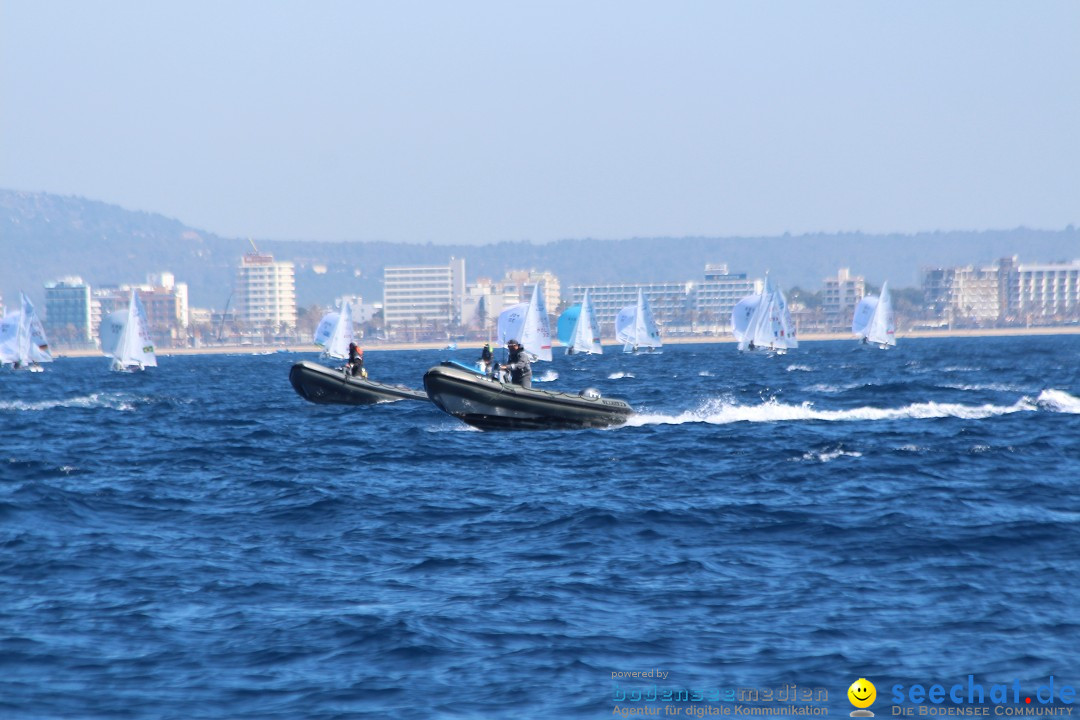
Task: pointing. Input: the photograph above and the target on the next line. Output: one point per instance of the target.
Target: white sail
(125, 337)
(874, 320)
(741, 314)
(536, 331)
(22, 338)
(38, 343)
(635, 327)
(111, 332)
(9, 337)
(763, 322)
(335, 332)
(586, 335)
(864, 313)
(511, 321)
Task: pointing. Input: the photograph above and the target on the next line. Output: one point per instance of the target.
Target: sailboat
(125, 337)
(22, 339)
(528, 324)
(635, 327)
(874, 321)
(578, 329)
(762, 322)
(335, 332)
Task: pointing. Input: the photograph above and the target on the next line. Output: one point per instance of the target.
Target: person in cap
(518, 365)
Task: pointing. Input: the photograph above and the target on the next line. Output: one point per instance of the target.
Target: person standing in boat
(486, 357)
(518, 365)
(356, 361)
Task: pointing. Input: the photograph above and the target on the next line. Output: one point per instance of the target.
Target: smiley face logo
(862, 694)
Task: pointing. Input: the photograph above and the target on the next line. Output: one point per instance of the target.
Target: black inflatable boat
(329, 386)
(492, 405)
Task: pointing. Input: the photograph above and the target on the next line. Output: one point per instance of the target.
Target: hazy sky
(485, 121)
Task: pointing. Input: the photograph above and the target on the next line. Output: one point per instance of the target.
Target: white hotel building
(417, 296)
(266, 293)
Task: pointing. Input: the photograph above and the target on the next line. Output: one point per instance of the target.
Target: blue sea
(196, 541)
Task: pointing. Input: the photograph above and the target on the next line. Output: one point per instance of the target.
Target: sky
(478, 122)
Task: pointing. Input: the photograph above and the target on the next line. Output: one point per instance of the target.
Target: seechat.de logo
(862, 694)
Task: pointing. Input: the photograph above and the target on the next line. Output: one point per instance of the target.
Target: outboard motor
(590, 393)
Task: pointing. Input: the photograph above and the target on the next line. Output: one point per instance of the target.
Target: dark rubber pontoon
(329, 386)
(492, 405)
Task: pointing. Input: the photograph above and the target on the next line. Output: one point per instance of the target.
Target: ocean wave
(720, 412)
(620, 375)
(92, 401)
(825, 456)
(799, 368)
(548, 376)
(1058, 401)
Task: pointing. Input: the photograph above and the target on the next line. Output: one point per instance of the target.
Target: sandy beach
(701, 339)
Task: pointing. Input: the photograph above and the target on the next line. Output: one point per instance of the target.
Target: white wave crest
(716, 412)
(827, 455)
(705, 373)
(996, 387)
(1058, 401)
(620, 375)
(799, 368)
(94, 400)
(548, 376)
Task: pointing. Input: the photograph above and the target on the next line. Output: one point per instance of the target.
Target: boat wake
(722, 412)
(548, 376)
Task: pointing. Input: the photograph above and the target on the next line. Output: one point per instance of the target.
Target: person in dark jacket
(356, 361)
(486, 357)
(518, 365)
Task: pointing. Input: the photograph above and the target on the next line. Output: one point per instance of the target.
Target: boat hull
(327, 386)
(491, 405)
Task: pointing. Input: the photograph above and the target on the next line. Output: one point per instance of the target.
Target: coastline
(693, 340)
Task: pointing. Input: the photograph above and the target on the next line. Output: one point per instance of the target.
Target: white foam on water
(548, 376)
(1058, 401)
(996, 387)
(720, 412)
(799, 368)
(827, 388)
(705, 373)
(619, 375)
(94, 400)
(827, 455)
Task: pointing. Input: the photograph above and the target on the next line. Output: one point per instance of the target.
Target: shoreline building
(842, 295)
(266, 293)
(1041, 291)
(1006, 293)
(678, 307)
(966, 295)
(69, 312)
(718, 295)
(670, 302)
(425, 296)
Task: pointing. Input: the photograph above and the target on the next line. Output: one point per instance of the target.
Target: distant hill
(44, 237)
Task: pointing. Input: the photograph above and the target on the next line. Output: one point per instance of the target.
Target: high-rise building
(965, 295)
(718, 295)
(68, 312)
(1044, 291)
(266, 293)
(521, 283)
(669, 302)
(422, 295)
(842, 295)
